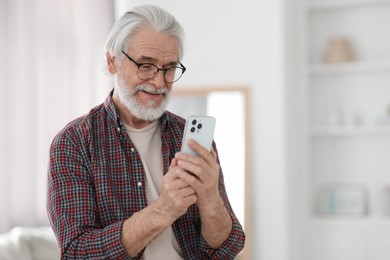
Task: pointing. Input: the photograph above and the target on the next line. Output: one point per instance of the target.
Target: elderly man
(118, 185)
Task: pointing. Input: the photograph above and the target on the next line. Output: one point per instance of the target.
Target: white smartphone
(200, 129)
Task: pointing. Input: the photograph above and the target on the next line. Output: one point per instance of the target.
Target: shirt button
(132, 150)
(139, 184)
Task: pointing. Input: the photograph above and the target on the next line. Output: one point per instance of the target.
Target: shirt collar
(111, 110)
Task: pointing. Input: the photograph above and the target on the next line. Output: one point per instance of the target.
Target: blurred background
(303, 86)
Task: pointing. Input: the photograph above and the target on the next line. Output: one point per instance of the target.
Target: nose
(159, 79)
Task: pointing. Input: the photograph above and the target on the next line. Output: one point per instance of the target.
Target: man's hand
(202, 174)
(176, 195)
(144, 226)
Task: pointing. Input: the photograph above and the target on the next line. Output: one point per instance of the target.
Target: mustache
(151, 89)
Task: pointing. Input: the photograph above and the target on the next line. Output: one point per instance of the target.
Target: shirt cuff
(230, 248)
(115, 249)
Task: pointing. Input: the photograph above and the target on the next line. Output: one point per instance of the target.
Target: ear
(110, 63)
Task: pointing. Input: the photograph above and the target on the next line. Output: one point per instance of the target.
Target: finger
(171, 180)
(208, 156)
(173, 163)
(181, 156)
(189, 200)
(214, 153)
(174, 183)
(173, 168)
(200, 150)
(196, 164)
(189, 168)
(187, 191)
(190, 179)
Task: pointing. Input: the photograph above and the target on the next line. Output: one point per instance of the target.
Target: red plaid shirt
(94, 179)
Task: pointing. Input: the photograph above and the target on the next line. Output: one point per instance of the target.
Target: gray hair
(140, 16)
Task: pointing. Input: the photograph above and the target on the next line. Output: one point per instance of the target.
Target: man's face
(146, 99)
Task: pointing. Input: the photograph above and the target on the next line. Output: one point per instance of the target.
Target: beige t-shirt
(147, 141)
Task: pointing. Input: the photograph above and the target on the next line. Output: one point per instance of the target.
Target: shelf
(350, 67)
(369, 220)
(337, 4)
(350, 131)
(347, 146)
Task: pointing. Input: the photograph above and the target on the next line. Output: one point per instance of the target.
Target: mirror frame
(204, 91)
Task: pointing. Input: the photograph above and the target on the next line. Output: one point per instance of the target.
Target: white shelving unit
(350, 67)
(365, 131)
(322, 5)
(348, 128)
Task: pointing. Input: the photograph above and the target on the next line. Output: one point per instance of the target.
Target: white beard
(148, 112)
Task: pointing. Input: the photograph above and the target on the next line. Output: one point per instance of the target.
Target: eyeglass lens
(149, 71)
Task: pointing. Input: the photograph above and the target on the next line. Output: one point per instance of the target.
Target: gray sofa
(29, 243)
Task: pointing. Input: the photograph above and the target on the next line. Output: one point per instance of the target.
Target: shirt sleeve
(72, 206)
(230, 248)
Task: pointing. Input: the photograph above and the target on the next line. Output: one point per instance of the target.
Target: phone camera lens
(199, 126)
(194, 122)
(192, 129)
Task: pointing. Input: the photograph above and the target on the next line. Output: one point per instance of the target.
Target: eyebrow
(146, 59)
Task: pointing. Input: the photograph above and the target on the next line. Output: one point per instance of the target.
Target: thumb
(173, 163)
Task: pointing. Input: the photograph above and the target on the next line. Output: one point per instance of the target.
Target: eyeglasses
(148, 71)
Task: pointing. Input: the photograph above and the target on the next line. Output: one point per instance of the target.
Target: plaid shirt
(96, 181)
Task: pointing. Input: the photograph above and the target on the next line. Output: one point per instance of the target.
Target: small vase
(339, 50)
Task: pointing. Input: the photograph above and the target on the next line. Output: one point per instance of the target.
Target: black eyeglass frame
(139, 65)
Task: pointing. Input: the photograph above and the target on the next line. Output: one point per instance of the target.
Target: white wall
(242, 42)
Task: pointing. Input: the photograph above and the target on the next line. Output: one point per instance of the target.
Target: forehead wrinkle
(160, 46)
(156, 55)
